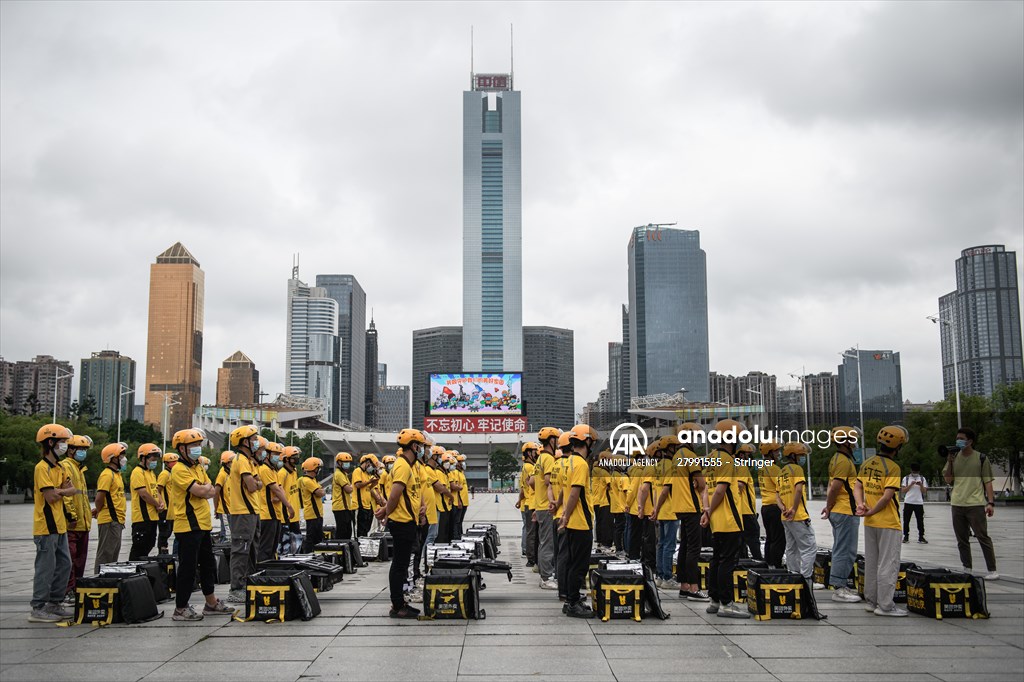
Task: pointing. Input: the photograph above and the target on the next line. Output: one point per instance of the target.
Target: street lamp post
(167, 404)
(760, 397)
(121, 393)
(56, 380)
(860, 395)
(956, 359)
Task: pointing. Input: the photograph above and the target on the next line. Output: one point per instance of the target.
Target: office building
(789, 410)
(616, 403)
(548, 377)
(392, 408)
(238, 381)
(437, 350)
(107, 379)
(668, 313)
(382, 374)
(984, 314)
(624, 398)
(371, 379)
(491, 226)
(823, 401)
(349, 403)
(882, 384)
(29, 385)
(174, 351)
(313, 347)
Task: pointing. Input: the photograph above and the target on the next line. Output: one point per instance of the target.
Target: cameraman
(970, 474)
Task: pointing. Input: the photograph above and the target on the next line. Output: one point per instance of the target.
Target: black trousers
(751, 537)
(774, 535)
(444, 527)
(603, 527)
(364, 519)
(404, 535)
(687, 570)
(723, 563)
(269, 531)
(314, 535)
(458, 514)
(643, 541)
(578, 544)
(618, 531)
(195, 551)
(908, 511)
(143, 539)
(562, 561)
(165, 528)
(343, 520)
(421, 550)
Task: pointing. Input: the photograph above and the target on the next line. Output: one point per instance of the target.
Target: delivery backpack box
(617, 594)
(337, 552)
(373, 549)
(222, 555)
(115, 598)
(492, 529)
(323, 574)
(704, 566)
(823, 568)
(900, 595)
(168, 564)
(940, 593)
(739, 577)
(387, 545)
(151, 569)
(277, 595)
(490, 548)
(776, 594)
(452, 594)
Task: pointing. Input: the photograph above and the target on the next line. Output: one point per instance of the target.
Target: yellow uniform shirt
(80, 502)
(577, 475)
(163, 484)
(143, 479)
(842, 467)
(600, 484)
(528, 491)
(222, 480)
(768, 481)
(685, 499)
(544, 466)
(407, 509)
(647, 476)
(48, 517)
(789, 476)
(877, 475)
(340, 500)
(289, 481)
(617, 492)
(747, 504)
(191, 513)
(384, 487)
(270, 510)
(559, 480)
(454, 478)
(726, 517)
(464, 493)
(442, 503)
(240, 500)
(312, 506)
(430, 475)
(112, 484)
(364, 499)
(665, 476)
(635, 476)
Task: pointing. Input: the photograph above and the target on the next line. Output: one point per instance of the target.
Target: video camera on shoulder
(949, 450)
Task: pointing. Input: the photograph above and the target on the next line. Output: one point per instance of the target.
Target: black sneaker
(922, 541)
(579, 610)
(406, 612)
(531, 564)
(905, 539)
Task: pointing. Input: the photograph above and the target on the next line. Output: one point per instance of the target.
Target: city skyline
(795, 268)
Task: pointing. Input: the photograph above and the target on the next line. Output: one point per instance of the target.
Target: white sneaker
(895, 611)
(236, 597)
(869, 606)
(992, 576)
(671, 584)
(845, 594)
(549, 584)
(658, 582)
(817, 586)
(734, 610)
(416, 597)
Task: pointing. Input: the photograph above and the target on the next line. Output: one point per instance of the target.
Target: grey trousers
(545, 545)
(52, 569)
(801, 547)
(244, 542)
(881, 565)
(108, 548)
(529, 536)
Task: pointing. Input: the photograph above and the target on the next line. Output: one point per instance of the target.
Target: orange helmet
(187, 436)
(204, 460)
(147, 450)
(170, 457)
(745, 449)
(563, 440)
(389, 459)
(459, 456)
(583, 432)
(81, 442)
(368, 457)
(312, 464)
(449, 458)
(528, 446)
(272, 447)
(548, 432)
(292, 451)
(342, 457)
(53, 431)
(437, 450)
(243, 433)
(409, 436)
(730, 426)
(112, 452)
(226, 457)
(893, 436)
(795, 449)
(769, 447)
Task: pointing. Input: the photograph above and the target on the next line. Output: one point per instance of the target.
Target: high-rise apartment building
(548, 377)
(616, 397)
(174, 352)
(349, 394)
(392, 408)
(29, 386)
(492, 278)
(437, 350)
(106, 379)
(238, 381)
(313, 352)
(824, 402)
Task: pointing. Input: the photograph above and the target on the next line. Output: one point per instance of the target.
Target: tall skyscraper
(824, 401)
(437, 350)
(548, 377)
(668, 313)
(371, 379)
(984, 313)
(615, 393)
(174, 353)
(101, 379)
(882, 384)
(492, 309)
(349, 393)
(313, 353)
(29, 385)
(382, 374)
(393, 408)
(627, 393)
(238, 381)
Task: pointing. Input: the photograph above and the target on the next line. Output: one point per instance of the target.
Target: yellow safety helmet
(769, 447)
(410, 436)
(845, 435)
(795, 448)
(292, 451)
(342, 457)
(145, 450)
(437, 450)
(389, 459)
(651, 449)
(312, 464)
(226, 457)
(170, 457)
(368, 457)
(459, 456)
(272, 446)
(730, 426)
(563, 441)
(665, 442)
(80, 442)
(53, 431)
(583, 432)
(242, 433)
(529, 445)
(449, 457)
(548, 432)
(690, 426)
(204, 460)
(113, 451)
(893, 436)
(263, 443)
(745, 449)
(187, 436)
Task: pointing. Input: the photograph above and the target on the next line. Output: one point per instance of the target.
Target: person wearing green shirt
(972, 501)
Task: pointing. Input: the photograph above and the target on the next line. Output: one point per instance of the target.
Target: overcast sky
(836, 159)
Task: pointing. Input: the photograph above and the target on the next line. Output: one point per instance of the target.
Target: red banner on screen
(437, 425)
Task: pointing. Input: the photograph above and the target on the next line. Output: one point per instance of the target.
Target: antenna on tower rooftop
(511, 57)
(471, 57)
(295, 266)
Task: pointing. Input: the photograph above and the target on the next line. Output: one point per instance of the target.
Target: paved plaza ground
(524, 635)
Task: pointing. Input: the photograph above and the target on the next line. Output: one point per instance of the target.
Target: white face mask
(60, 448)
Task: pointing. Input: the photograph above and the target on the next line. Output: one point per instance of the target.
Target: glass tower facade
(313, 356)
(102, 377)
(668, 313)
(883, 385)
(350, 391)
(984, 315)
(492, 227)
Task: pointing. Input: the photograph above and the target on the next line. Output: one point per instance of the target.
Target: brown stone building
(238, 382)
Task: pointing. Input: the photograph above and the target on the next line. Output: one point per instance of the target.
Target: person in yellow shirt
(801, 543)
(80, 521)
(288, 479)
(455, 485)
(689, 498)
(617, 497)
(166, 524)
(445, 502)
(876, 490)
(275, 507)
(632, 528)
(841, 512)
(364, 483)
(402, 513)
(146, 502)
(748, 504)
(110, 503)
(771, 514)
(662, 491)
(460, 470)
(387, 462)
(559, 483)
(51, 485)
(311, 497)
(244, 500)
(644, 533)
(544, 506)
(601, 480)
(577, 518)
(343, 501)
(220, 488)
(190, 492)
(525, 503)
(723, 515)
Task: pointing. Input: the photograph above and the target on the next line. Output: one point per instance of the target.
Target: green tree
(1006, 439)
(503, 466)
